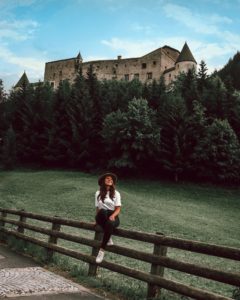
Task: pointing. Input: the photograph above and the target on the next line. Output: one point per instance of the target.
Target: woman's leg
(108, 230)
(102, 217)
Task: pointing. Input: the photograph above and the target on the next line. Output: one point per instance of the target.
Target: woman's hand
(116, 212)
(112, 218)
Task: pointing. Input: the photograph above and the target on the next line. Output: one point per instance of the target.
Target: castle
(165, 61)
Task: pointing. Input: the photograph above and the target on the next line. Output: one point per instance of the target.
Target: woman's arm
(116, 212)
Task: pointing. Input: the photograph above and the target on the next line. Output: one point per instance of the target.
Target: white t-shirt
(108, 202)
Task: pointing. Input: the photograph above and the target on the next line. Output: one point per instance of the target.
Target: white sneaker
(100, 257)
(110, 242)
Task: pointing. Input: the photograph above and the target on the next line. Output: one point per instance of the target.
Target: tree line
(188, 130)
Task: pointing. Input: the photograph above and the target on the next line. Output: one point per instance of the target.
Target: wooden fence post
(22, 219)
(52, 240)
(92, 271)
(153, 290)
(2, 224)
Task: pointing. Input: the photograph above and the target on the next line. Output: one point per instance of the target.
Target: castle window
(149, 75)
(154, 63)
(106, 67)
(125, 65)
(170, 75)
(126, 77)
(54, 74)
(52, 84)
(144, 65)
(136, 76)
(165, 67)
(60, 73)
(116, 65)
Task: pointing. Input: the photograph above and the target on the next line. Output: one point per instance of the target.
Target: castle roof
(79, 56)
(168, 70)
(22, 81)
(159, 50)
(166, 46)
(186, 54)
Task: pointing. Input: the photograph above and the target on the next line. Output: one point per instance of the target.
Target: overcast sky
(33, 32)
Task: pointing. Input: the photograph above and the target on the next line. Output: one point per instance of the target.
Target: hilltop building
(165, 61)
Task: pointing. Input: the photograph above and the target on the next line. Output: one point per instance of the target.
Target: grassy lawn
(198, 212)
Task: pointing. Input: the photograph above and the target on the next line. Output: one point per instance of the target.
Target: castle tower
(185, 60)
(23, 81)
(78, 61)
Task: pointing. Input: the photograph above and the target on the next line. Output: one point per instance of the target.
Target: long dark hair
(103, 192)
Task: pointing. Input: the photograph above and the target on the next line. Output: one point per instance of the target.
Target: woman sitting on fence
(108, 206)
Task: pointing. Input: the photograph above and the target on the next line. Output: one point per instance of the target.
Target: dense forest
(189, 130)
(230, 73)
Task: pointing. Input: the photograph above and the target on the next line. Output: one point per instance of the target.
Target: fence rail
(158, 259)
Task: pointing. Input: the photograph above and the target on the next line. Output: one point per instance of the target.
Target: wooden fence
(158, 259)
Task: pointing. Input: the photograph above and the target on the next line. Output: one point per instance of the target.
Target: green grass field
(191, 211)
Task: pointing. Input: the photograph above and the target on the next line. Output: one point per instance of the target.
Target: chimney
(119, 57)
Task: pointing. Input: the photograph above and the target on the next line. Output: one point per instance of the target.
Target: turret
(78, 61)
(185, 60)
(23, 81)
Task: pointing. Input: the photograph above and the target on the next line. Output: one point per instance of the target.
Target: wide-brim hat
(103, 176)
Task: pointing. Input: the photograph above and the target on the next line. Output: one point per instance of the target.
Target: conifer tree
(60, 132)
(41, 105)
(187, 85)
(80, 114)
(214, 98)
(3, 95)
(218, 153)
(3, 112)
(22, 120)
(132, 137)
(95, 138)
(232, 70)
(8, 155)
(174, 142)
(202, 76)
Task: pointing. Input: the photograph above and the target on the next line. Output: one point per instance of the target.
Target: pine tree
(218, 153)
(79, 114)
(3, 95)
(202, 76)
(188, 88)
(41, 105)
(174, 138)
(22, 120)
(132, 137)
(214, 98)
(4, 107)
(60, 132)
(95, 138)
(9, 149)
(232, 70)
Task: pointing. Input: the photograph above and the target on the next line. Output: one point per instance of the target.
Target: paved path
(23, 279)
